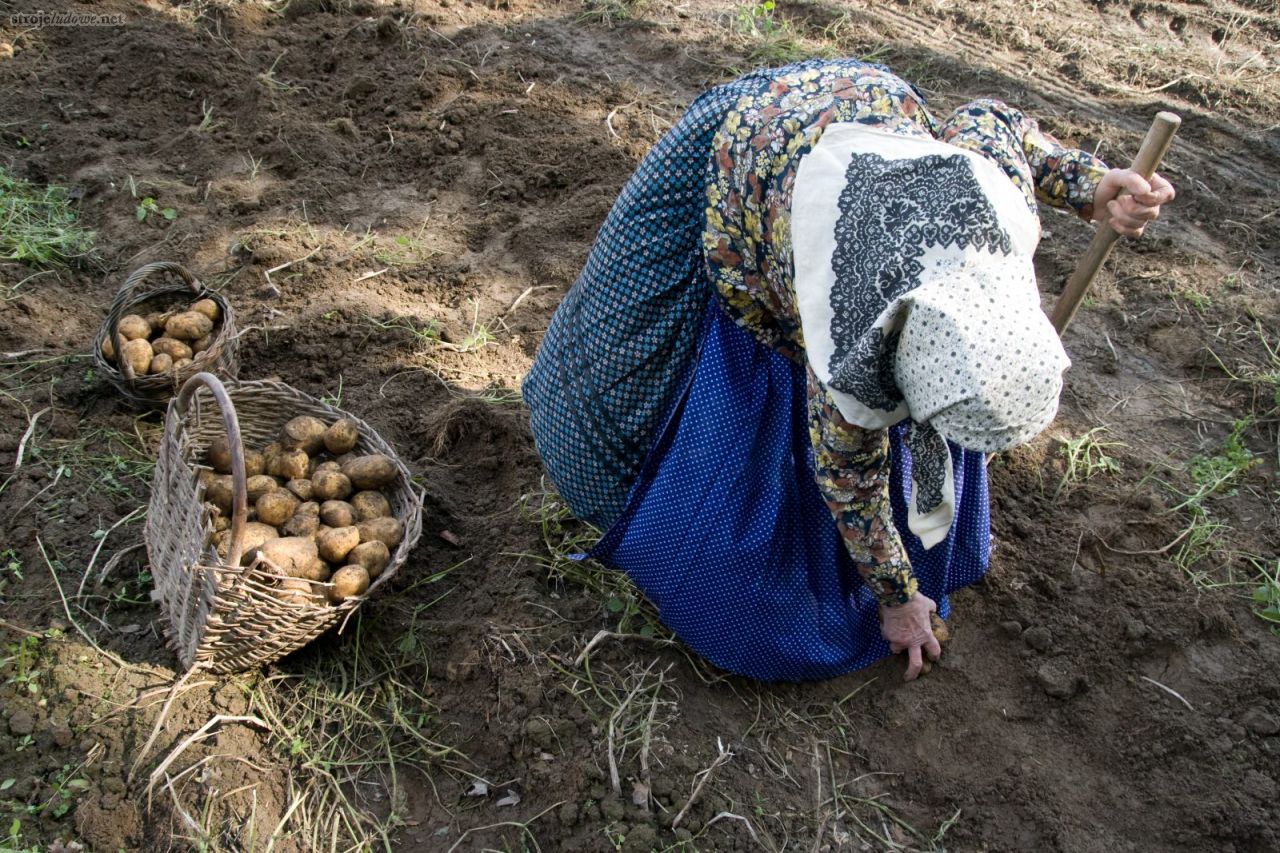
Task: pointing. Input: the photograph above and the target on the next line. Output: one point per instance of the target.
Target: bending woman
(808, 316)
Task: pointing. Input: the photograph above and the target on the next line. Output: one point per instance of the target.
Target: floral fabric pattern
(747, 249)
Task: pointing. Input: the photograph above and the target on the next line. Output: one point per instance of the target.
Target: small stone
(1134, 629)
(1057, 679)
(540, 732)
(641, 839)
(6, 50)
(1255, 720)
(1012, 627)
(613, 809)
(1038, 638)
(62, 734)
(21, 723)
(1259, 785)
(568, 814)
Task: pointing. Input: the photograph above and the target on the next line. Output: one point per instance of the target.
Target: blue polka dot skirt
(727, 535)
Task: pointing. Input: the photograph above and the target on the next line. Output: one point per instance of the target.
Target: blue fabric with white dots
(727, 535)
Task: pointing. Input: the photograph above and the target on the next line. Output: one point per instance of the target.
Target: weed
(771, 39)
(1266, 597)
(1086, 456)
(10, 568)
(334, 399)
(207, 124)
(149, 206)
(14, 843)
(1217, 473)
(609, 12)
(567, 541)
(426, 333)
(1259, 376)
(253, 164)
(38, 225)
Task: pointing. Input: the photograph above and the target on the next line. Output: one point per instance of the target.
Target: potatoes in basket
(179, 333)
(318, 513)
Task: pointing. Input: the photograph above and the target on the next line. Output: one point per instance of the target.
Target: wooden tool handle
(1153, 149)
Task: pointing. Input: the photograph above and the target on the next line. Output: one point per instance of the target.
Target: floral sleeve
(1036, 162)
(852, 473)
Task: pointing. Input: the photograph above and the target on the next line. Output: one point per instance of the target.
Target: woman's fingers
(933, 648)
(914, 663)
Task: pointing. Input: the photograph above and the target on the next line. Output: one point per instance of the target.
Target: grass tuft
(38, 225)
(1086, 457)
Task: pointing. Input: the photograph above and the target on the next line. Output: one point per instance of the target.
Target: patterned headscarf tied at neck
(918, 299)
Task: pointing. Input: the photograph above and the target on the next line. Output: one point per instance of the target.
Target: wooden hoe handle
(1153, 149)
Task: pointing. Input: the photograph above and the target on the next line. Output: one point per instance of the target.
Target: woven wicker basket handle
(239, 489)
(134, 282)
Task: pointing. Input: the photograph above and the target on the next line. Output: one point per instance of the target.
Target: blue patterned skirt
(662, 422)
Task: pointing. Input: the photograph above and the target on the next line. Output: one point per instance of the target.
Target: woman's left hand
(1129, 214)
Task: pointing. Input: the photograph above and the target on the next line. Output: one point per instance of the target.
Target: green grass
(1266, 596)
(38, 225)
(1087, 456)
(609, 12)
(770, 38)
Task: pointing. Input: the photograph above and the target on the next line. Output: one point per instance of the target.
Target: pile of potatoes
(317, 512)
(163, 342)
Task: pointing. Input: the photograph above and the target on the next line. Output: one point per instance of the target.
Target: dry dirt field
(1114, 684)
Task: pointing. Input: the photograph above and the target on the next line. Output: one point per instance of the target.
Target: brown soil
(1094, 697)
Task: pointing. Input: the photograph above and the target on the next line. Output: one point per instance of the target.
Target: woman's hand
(1129, 214)
(907, 627)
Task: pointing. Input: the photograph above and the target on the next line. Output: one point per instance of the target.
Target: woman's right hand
(908, 627)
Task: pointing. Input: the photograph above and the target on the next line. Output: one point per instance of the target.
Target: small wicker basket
(154, 391)
(221, 616)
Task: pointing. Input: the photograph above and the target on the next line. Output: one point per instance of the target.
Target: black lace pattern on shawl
(891, 211)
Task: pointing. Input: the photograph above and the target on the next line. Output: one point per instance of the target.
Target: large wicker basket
(154, 391)
(224, 617)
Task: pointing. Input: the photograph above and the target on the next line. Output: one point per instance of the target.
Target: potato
(388, 531)
(290, 465)
(207, 307)
(336, 542)
(218, 455)
(302, 524)
(276, 507)
(302, 488)
(258, 485)
(136, 355)
(329, 485)
(204, 477)
(303, 433)
(338, 514)
(108, 349)
(348, 582)
(160, 363)
(308, 508)
(254, 535)
(299, 591)
(221, 522)
(253, 464)
(188, 326)
(218, 492)
(370, 505)
(374, 556)
(370, 472)
(327, 465)
(157, 319)
(201, 345)
(179, 363)
(344, 459)
(269, 454)
(173, 348)
(133, 328)
(341, 437)
(292, 555)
